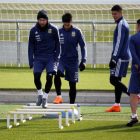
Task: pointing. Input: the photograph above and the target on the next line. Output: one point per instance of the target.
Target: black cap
(42, 14)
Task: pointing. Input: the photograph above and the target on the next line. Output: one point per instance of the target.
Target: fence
(98, 36)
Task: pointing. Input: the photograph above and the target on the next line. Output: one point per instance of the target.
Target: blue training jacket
(120, 41)
(69, 41)
(134, 45)
(43, 45)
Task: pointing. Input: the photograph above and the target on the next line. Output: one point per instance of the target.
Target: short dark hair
(138, 21)
(67, 17)
(117, 8)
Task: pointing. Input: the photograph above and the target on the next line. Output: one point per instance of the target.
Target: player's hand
(112, 63)
(57, 64)
(137, 67)
(31, 66)
(82, 66)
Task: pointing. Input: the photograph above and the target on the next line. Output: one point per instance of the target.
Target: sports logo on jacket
(61, 38)
(38, 38)
(50, 31)
(73, 34)
(61, 34)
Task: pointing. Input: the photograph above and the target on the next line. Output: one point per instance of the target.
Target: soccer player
(120, 56)
(134, 83)
(43, 53)
(70, 37)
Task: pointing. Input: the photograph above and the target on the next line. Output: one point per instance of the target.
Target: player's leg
(122, 71)
(51, 70)
(48, 86)
(133, 103)
(118, 93)
(122, 86)
(115, 80)
(57, 81)
(38, 85)
(72, 92)
(38, 68)
(72, 75)
(119, 88)
(117, 74)
(134, 89)
(37, 80)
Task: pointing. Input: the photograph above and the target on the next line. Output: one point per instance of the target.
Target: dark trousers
(119, 88)
(38, 83)
(72, 91)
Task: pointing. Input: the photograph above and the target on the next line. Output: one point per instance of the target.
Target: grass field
(22, 78)
(96, 124)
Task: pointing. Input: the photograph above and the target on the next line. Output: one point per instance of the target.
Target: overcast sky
(74, 1)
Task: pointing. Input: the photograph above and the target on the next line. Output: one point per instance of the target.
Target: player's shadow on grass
(109, 128)
(135, 128)
(3, 124)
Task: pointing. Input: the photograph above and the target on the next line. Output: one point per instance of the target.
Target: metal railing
(93, 23)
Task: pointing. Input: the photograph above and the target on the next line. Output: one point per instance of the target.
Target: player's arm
(133, 53)
(118, 46)
(57, 46)
(120, 40)
(31, 48)
(83, 51)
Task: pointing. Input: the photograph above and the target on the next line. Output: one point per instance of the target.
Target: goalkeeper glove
(112, 63)
(82, 66)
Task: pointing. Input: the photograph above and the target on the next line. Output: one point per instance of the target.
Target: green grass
(96, 124)
(22, 78)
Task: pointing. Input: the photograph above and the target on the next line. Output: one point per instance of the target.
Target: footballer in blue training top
(43, 53)
(120, 56)
(70, 37)
(134, 83)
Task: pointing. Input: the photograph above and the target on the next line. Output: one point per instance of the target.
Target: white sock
(60, 96)
(40, 92)
(134, 115)
(45, 95)
(117, 104)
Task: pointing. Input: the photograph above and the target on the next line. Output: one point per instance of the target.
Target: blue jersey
(69, 41)
(120, 41)
(134, 45)
(43, 45)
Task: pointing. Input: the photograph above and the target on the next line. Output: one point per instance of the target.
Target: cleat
(132, 121)
(138, 98)
(44, 103)
(39, 100)
(113, 109)
(58, 100)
